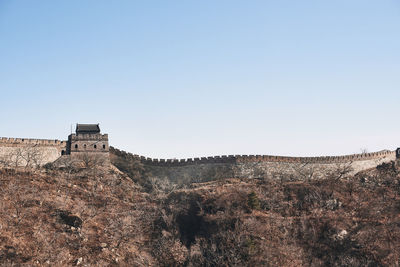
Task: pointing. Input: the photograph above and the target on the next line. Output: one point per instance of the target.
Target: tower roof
(87, 128)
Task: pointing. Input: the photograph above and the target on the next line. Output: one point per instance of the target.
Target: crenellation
(30, 141)
(268, 158)
(88, 139)
(265, 165)
(49, 150)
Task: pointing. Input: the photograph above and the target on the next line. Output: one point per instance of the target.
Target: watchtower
(88, 140)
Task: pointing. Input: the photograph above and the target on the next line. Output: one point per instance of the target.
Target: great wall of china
(256, 166)
(27, 152)
(195, 169)
(5, 141)
(17, 150)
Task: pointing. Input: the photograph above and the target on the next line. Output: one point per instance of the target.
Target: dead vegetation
(55, 219)
(338, 221)
(30, 157)
(64, 217)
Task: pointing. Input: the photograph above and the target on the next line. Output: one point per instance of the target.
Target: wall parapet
(75, 137)
(255, 159)
(5, 141)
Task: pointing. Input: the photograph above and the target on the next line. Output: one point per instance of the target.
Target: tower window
(104, 146)
(95, 146)
(76, 146)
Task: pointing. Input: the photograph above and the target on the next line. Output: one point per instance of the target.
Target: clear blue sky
(201, 78)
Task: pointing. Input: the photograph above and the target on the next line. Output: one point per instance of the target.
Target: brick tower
(88, 140)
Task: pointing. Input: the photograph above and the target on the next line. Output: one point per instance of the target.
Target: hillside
(124, 217)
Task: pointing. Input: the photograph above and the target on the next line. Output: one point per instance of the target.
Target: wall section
(35, 152)
(257, 166)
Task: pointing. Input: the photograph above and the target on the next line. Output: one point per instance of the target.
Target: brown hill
(124, 217)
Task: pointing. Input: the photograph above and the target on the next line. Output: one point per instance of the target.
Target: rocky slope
(123, 217)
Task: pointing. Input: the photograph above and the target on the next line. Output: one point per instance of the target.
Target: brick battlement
(4, 141)
(257, 158)
(102, 137)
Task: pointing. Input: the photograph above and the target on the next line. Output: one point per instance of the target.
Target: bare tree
(162, 187)
(32, 156)
(340, 171)
(17, 157)
(90, 161)
(305, 170)
(70, 165)
(5, 161)
(28, 157)
(37, 157)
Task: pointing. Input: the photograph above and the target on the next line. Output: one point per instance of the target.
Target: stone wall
(257, 166)
(23, 151)
(89, 147)
(84, 143)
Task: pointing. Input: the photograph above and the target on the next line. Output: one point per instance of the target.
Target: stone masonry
(258, 166)
(17, 152)
(88, 140)
(23, 151)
